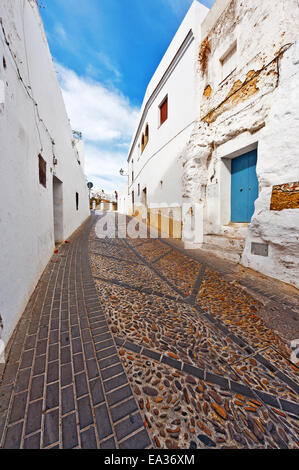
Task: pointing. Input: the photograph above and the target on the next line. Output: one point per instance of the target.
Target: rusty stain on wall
(205, 50)
(285, 196)
(207, 92)
(239, 92)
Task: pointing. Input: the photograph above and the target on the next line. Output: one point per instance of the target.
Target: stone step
(225, 242)
(227, 253)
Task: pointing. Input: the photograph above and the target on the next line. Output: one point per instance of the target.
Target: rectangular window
(42, 169)
(138, 189)
(229, 61)
(163, 110)
(77, 201)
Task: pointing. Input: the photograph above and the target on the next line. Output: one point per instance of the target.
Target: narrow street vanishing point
(136, 344)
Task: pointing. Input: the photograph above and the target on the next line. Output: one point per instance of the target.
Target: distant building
(218, 139)
(43, 192)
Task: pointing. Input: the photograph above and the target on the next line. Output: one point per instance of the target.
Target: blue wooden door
(244, 187)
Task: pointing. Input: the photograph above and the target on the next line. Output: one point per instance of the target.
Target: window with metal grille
(42, 168)
(164, 110)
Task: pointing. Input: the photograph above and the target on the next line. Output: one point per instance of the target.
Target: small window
(163, 110)
(146, 135)
(138, 189)
(132, 171)
(77, 201)
(42, 168)
(229, 61)
(142, 143)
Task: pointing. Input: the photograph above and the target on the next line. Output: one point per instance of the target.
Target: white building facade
(44, 196)
(235, 169)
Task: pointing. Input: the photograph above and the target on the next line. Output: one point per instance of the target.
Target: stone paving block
(39, 365)
(118, 395)
(22, 380)
(52, 396)
(124, 409)
(78, 363)
(268, 399)
(195, 371)
(116, 382)
(30, 342)
(96, 390)
(112, 371)
(64, 339)
(138, 441)
(66, 375)
(148, 353)
(108, 444)
(68, 402)
(172, 362)
(53, 372)
(27, 359)
(110, 361)
(5, 396)
(77, 345)
(37, 387)
(128, 426)
(92, 369)
(217, 379)
(81, 385)
(103, 422)
(106, 353)
(89, 350)
(18, 407)
(65, 355)
(69, 432)
(34, 416)
(53, 352)
(85, 413)
(88, 439)
(32, 442)
(41, 347)
(13, 437)
(103, 337)
(290, 407)
(104, 345)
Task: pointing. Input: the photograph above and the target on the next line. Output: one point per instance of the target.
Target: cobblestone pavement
(64, 385)
(130, 343)
(204, 368)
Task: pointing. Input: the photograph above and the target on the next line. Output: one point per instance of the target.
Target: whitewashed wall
(158, 168)
(26, 207)
(264, 117)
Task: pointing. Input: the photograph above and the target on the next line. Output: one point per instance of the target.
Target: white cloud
(107, 120)
(100, 114)
(102, 167)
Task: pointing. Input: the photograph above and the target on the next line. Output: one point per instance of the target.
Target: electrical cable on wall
(27, 89)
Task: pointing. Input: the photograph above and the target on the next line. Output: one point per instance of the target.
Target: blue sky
(105, 53)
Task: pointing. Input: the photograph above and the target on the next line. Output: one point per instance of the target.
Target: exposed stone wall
(263, 83)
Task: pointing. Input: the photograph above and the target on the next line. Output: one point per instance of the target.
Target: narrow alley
(136, 344)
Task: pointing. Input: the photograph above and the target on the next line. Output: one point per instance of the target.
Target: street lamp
(122, 173)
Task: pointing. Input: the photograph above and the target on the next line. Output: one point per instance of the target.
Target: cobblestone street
(135, 344)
